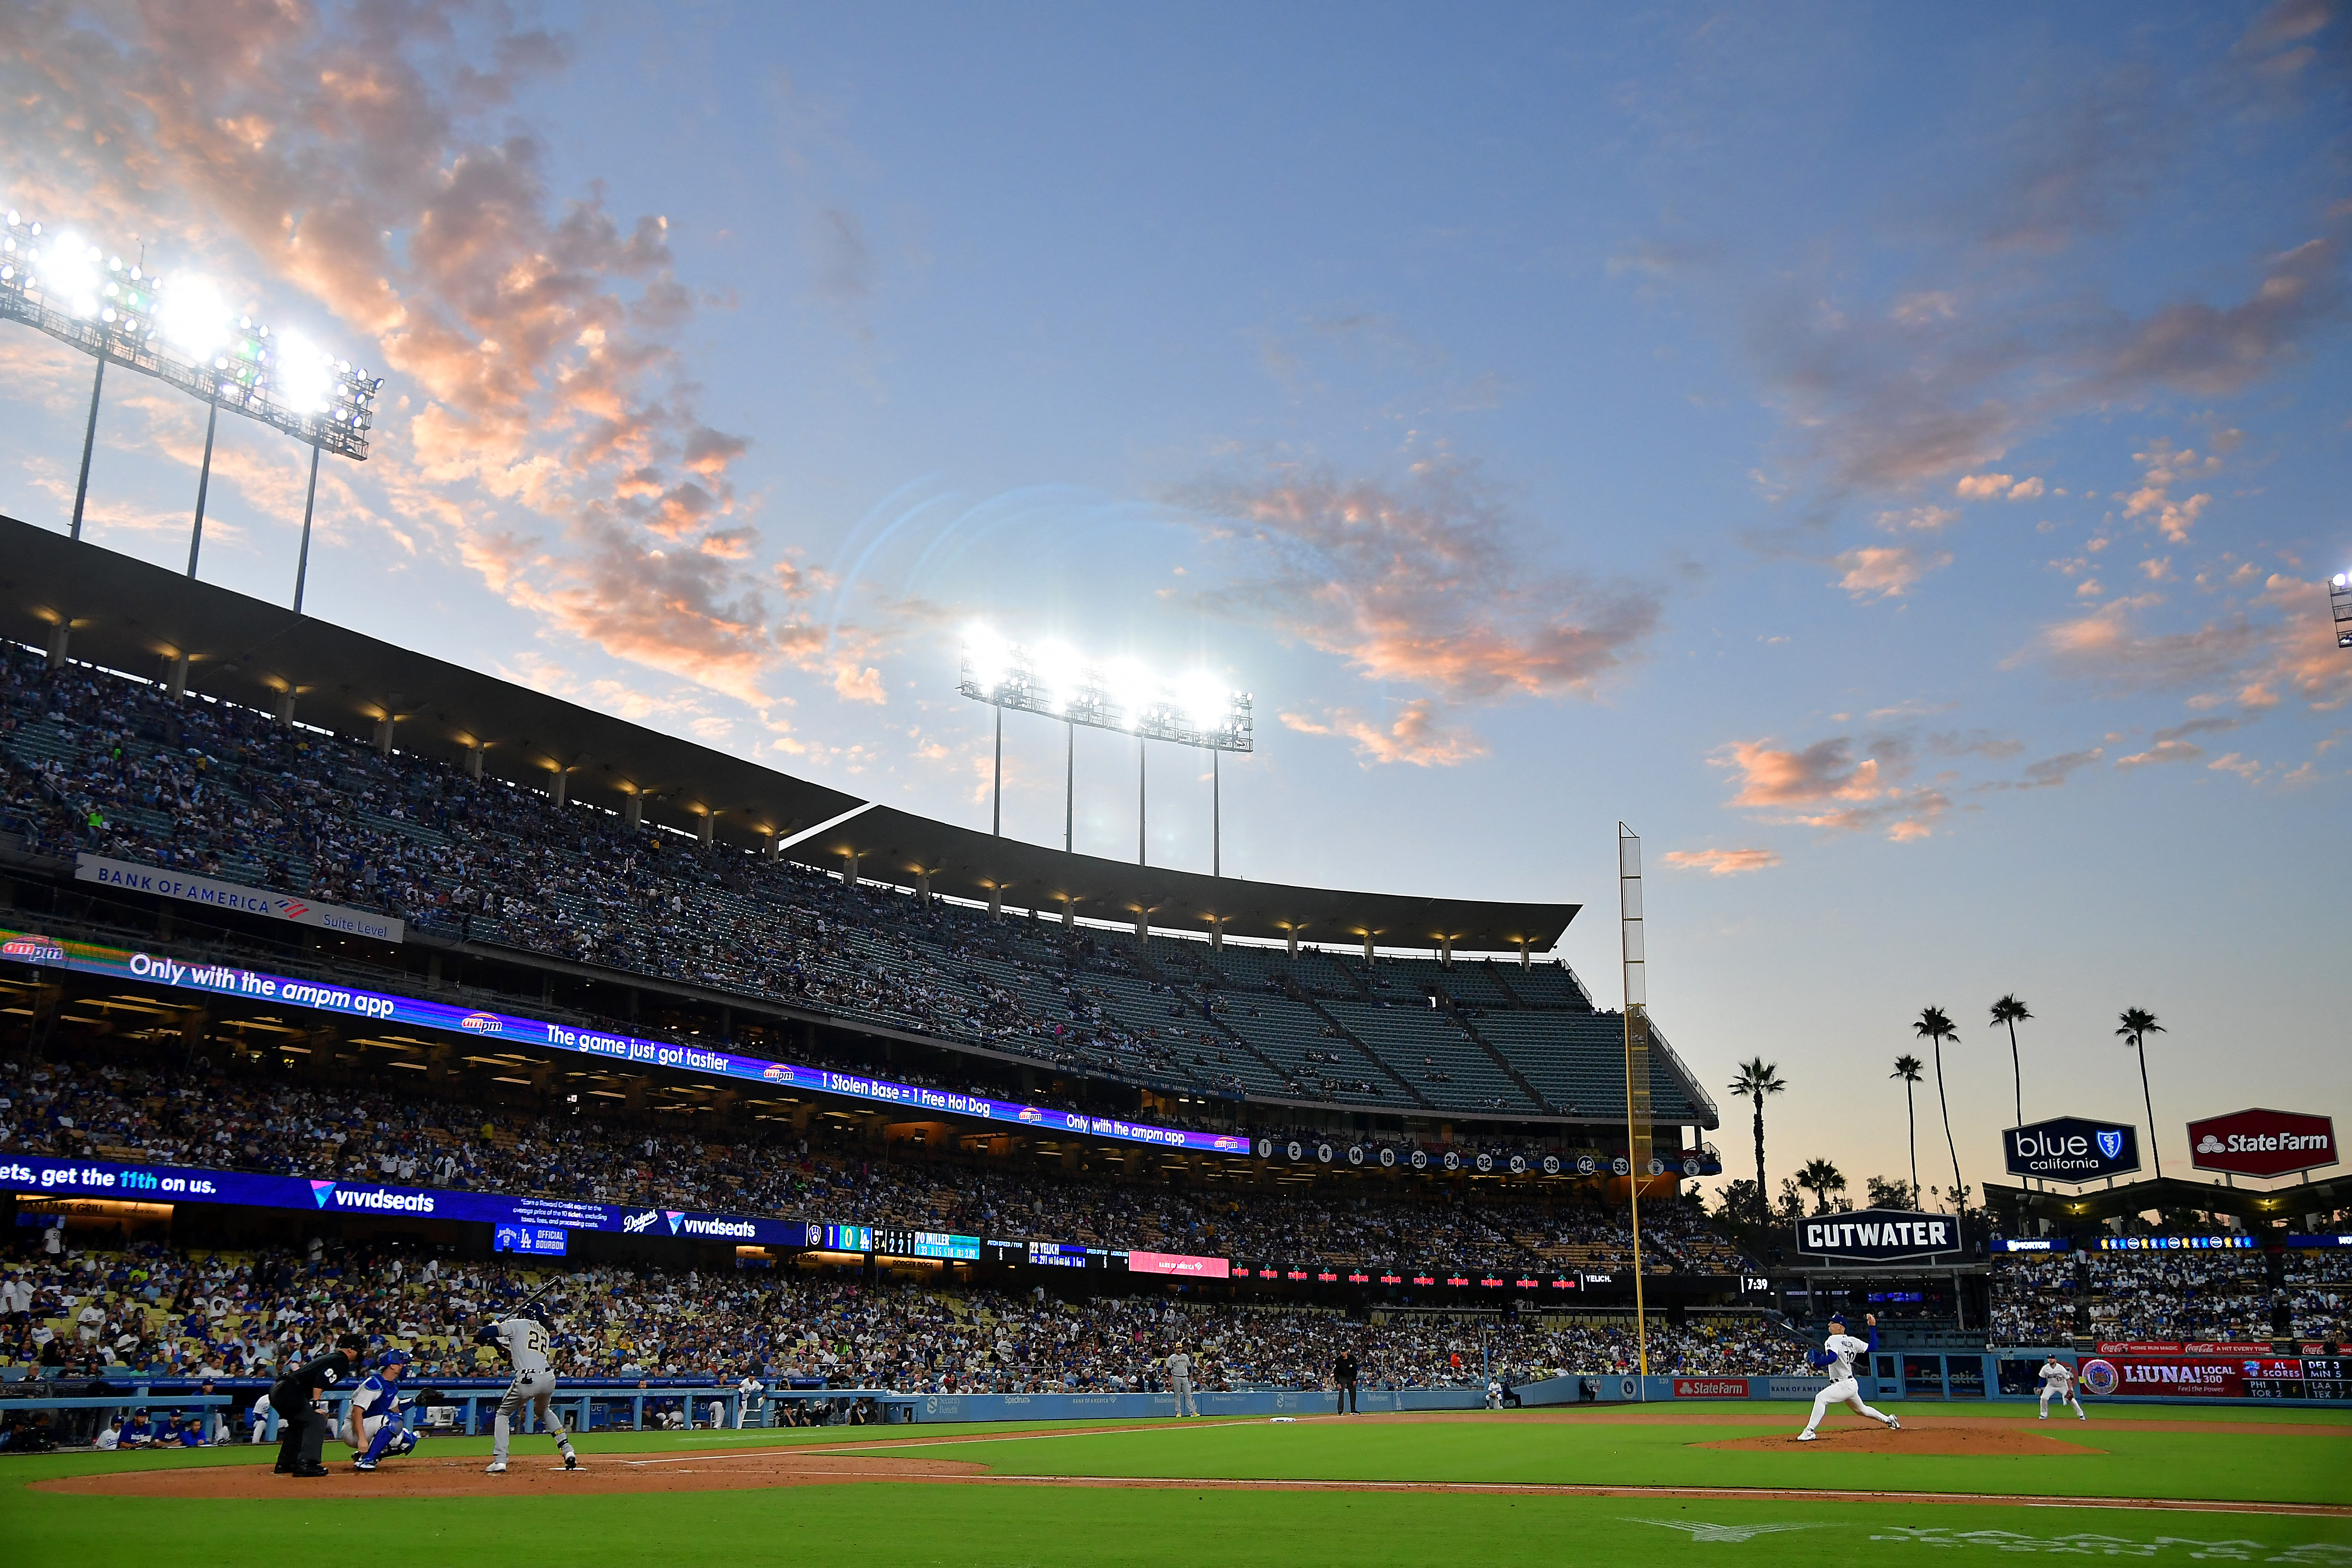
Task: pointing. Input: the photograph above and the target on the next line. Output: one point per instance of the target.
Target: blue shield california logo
(2111, 1143)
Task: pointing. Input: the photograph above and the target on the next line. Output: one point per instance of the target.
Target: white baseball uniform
(1838, 1352)
(2058, 1383)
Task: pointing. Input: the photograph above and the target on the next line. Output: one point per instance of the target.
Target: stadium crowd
(229, 1315)
(2211, 1295)
(93, 761)
(244, 1117)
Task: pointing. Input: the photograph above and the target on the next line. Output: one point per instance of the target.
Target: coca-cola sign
(2262, 1142)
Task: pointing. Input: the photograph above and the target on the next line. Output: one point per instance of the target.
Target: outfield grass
(2203, 1465)
(972, 1525)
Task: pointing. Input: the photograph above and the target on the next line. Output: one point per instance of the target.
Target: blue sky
(1890, 457)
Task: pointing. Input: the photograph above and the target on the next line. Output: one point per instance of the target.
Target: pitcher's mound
(1923, 1438)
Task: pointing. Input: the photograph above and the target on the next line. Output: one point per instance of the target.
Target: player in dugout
(302, 1430)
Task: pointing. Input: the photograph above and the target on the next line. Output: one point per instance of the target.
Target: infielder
(1836, 1357)
(534, 1385)
(1179, 1378)
(2058, 1383)
(377, 1431)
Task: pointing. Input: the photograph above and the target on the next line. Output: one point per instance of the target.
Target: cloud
(2162, 751)
(2052, 772)
(1722, 862)
(1996, 487)
(1876, 404)
(1428, 583)
(1975, 744)
(1918, 519)
(1886, 571)
(2281, 643)
(371, 160)
(1828, 784)
(1416, 734)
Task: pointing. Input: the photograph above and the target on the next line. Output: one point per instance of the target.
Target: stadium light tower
(182, 331)
(1190, 710)
(2339, 600)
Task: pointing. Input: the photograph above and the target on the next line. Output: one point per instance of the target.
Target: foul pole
(1637, 1061)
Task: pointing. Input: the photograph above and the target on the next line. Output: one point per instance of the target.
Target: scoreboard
(2307, 1378)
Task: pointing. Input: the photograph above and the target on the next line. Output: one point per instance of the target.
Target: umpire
(302, 1430)
(1344, 1373)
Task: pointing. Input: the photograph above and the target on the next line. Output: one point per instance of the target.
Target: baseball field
(1535, 1487)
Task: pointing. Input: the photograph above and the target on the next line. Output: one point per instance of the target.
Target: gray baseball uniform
(533, 1385)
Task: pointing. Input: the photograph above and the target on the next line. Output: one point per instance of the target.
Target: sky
(1891, 458)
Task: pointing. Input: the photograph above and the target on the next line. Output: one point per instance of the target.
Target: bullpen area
(1539, 1486)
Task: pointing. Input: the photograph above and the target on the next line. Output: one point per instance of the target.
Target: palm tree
(1821, 1178)
(1906, 1068)
(1756, 1079)
(2138, 1023)
(1936, 1028)
(2009, 1010)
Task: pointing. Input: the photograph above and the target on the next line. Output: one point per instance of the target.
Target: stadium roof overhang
(892, 846)
(2273, 1206)
(139, 618)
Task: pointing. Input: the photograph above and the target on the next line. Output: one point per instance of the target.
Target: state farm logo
(1710, 1388)
(2262, 1142)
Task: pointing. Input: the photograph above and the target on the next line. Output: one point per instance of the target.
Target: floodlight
(1061, 675)
(1131, 688)
(1201, 698)
(989, 655)
(70, 277)
(301, 374)
(193, 316)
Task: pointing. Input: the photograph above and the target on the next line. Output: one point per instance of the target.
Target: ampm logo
(321, 1193)
(481, 1024)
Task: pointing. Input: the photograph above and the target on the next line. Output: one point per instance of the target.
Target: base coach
(302, 1431)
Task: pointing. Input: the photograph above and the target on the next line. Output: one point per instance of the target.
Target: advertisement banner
(213, 893)
(257, 986)
(2262, 1142)
(2070, 1148)
(1878, 1235)
(1179, 1263)
(2172, 1377)
(1711, 1388)
(42, 1175)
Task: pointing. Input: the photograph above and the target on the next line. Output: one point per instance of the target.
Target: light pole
(1192, 709)
(181, 330)
(204, 482)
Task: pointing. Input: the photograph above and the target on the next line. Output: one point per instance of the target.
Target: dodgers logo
(631, 1224)
(2110, 1143)
(320, 1192)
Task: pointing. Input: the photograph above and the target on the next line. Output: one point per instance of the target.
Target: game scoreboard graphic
(2070, 1148)
(2263, 1142)
(1878, 1236)
(258, 985)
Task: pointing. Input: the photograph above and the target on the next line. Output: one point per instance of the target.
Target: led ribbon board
(517, 1215)
(255, 986)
